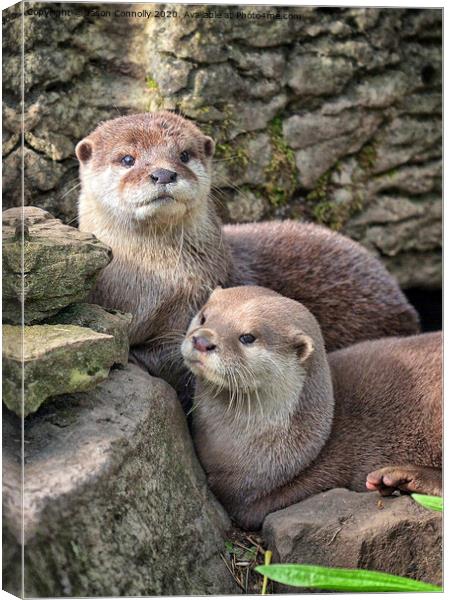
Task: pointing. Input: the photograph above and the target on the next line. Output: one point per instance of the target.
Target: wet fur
(167, 257)
(385, 409)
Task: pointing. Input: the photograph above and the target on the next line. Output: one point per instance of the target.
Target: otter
(145, 191)
(276, 420)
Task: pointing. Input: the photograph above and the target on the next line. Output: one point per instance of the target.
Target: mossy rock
(114, 501)
(282, 173)
(108, 321)
(46, 264)
(52, 360)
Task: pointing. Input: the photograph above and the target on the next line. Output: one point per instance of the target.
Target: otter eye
(202, 319)
(128, 161)
(184, 156)
(247, 338)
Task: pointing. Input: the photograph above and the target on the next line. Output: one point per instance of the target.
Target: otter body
(275, 420)
(146, 192)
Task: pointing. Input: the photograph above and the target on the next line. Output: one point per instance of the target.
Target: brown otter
(146, 193)
(275, 420)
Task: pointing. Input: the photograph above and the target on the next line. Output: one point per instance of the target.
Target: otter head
(252, 339)
(146, 167)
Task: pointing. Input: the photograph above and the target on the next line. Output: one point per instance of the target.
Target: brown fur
(383, 418)
(168, 256)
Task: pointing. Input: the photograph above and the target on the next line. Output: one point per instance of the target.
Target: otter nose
(163, 176)
(202, 344)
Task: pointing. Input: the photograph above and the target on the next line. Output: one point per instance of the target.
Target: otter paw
(408, 479)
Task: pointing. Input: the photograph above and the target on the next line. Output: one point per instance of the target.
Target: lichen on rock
(116, 503)
(101, 320)
(46, 251)
(49, 360)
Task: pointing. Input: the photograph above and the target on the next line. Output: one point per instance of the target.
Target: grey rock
(414, 181)
(255, 115)
(308, 129)
(313, 75)
(271, 32)
(172, 75)
(419, 103)
(9, 142)
(365, 18)
(314, 161)
(40, 172)
(381, 91)
(216, 82)
(269, 63)
(52, 252)
(416, 132)
(115, 500)
(246, 207)
(44, 66)
(420, 234)
(259, 152)
(340, 528)
(403, 267)
(55, 146)
(12, 165)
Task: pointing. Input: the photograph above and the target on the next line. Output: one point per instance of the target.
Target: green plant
(367, 156)
(233, 154)
(343, 580)
(350, 580)
(151, 83)
(432, 502)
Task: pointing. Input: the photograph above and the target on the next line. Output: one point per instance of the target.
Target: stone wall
(331, 115)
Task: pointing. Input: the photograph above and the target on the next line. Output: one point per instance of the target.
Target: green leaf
(343, 580)
(432, 502)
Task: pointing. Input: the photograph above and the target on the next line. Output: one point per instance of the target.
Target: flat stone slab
(340, 528)
(53, 360)
(102, 320)
(60, 264)
(115, 501)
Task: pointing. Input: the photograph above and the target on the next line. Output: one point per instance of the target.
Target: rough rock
(246, 207)
(346, 84)
(49, 360)
(102, 320)
(313, 75)
(115, 500)
(340, 528)
(52, 252)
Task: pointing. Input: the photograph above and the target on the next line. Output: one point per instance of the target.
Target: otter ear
(84, 150)
(303, 345)
(217, 289)
(209, 146)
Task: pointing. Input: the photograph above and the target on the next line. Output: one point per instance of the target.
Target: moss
(151, 83)
(224, 128)
(331, 213)
(335, 214)
(234, 154)
(320, 190)
(367, 156)
(391, 173)
(216, 120)
(79, 380)
(281, 174)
